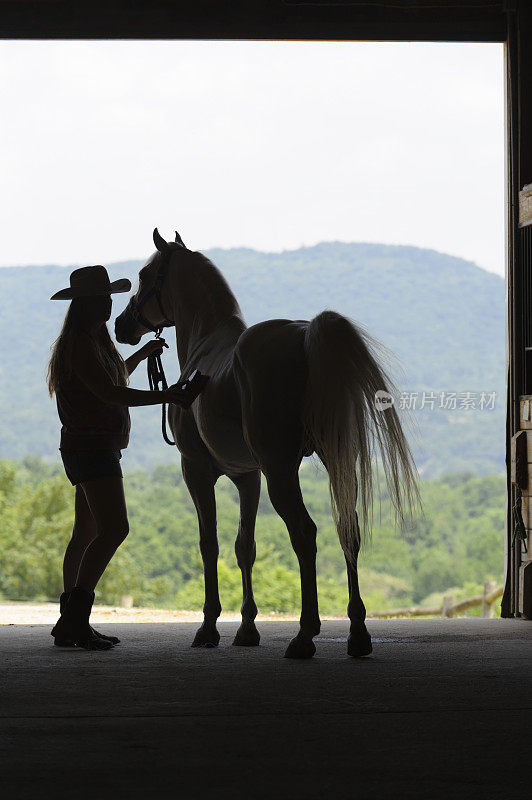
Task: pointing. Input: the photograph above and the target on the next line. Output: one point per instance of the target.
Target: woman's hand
(153, 346)
(184, 397)
(174, 394)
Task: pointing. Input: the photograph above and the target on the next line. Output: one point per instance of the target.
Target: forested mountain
(443, 317)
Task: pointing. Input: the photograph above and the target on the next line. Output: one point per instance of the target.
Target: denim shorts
(86, 465)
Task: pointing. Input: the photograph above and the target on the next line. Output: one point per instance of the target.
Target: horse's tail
(343, 422)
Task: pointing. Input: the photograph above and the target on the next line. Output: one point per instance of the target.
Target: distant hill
(443, 317)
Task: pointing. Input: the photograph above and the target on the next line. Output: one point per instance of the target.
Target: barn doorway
(105, 92)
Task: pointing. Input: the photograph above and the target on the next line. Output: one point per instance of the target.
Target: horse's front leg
(200, 481)
(248, 486)
(359, 641)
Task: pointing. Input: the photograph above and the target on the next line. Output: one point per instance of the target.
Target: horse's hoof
(247, 636)
(359, 644)
(300, 648)
(206, 638)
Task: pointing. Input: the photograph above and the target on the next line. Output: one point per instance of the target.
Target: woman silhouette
(89, 378)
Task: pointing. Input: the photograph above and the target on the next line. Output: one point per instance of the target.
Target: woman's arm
(133, 361)
(96, 379)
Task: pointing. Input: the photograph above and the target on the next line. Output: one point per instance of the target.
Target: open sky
(269, 145)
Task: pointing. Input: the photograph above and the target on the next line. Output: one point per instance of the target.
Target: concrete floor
(441, 709)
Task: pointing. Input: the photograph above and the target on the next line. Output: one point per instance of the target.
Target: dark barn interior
(444, 706)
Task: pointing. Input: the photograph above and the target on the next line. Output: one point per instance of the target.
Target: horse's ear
(179, 240)
(160, 243)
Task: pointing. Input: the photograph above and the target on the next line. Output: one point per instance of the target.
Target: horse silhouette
(278, 391)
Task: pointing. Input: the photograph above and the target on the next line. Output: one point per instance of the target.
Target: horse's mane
(216, 292)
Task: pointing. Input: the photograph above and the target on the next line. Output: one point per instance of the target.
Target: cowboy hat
(91, 281)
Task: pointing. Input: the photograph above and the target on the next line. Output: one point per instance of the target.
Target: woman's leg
(84, 531)
(107, 504)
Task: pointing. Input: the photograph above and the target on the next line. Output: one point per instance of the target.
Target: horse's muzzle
(124, 330)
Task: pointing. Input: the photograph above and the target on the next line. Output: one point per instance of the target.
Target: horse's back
(271, 372)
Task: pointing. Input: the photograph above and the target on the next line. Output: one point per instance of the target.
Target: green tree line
(453, 548)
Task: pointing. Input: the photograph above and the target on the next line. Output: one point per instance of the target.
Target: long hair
(60, 364)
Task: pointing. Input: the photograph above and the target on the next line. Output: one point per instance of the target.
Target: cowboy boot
(73, 625)
(63, 600)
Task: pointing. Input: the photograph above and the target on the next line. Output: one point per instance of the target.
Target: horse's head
(146, 310)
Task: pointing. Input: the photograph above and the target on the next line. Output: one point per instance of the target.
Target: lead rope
(156, 376)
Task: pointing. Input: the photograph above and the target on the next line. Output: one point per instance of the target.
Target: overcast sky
(265, 145)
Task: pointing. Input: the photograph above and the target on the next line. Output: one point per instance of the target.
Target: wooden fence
(449, 607)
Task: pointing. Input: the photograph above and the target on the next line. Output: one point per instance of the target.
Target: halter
(156, 374)
(136, 305)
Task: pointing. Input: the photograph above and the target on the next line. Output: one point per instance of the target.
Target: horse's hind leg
(285, 494)
(248, 486)
(200, 483)
(359, 641)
